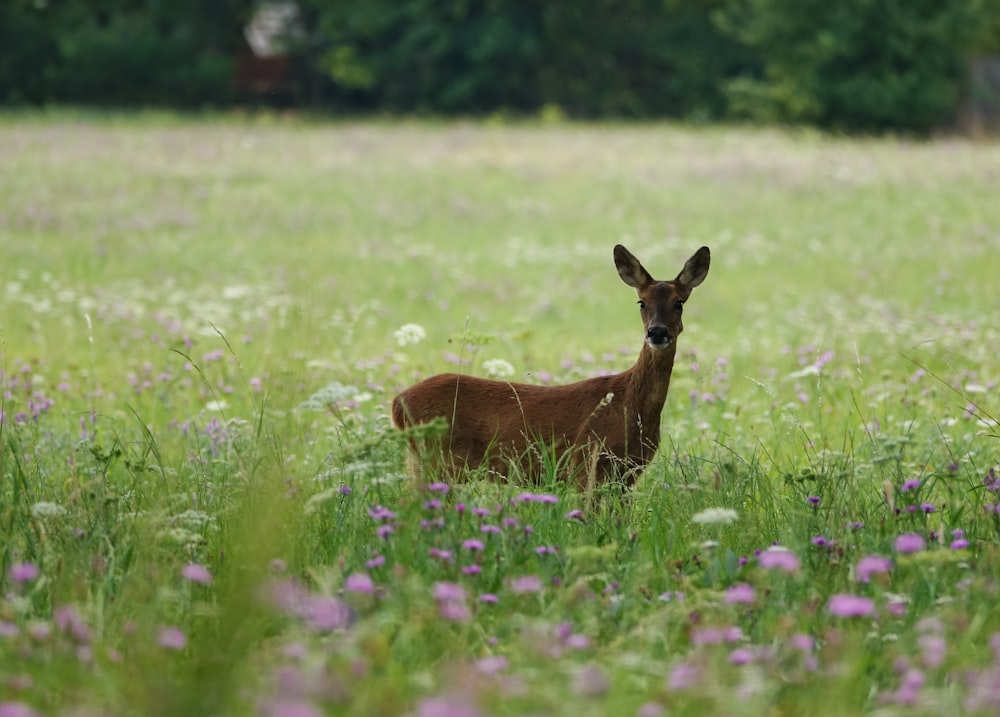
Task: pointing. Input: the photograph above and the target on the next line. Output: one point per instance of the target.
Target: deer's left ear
(696, 268)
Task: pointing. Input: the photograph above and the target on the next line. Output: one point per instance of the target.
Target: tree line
(851, 65)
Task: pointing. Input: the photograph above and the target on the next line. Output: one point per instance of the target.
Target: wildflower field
(205, 511)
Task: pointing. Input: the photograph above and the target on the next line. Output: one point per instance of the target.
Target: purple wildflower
(359, 583)
(473, 544)
(538, 498)
(847, 605)
(911, 484)
(440, 554)
(928, 507)
(196, 573)
(909, 687)
(575, 514)
(326, 614)
(438, 487)
(471, 570)
(380, 513)
(489, 598)
(589, 681)
(813, 500)
(869, 565)
(682, 676)
(447, 706)
(932, 649)
(377, 561)
(778, 558)
(172, 638)
(487, 528)
(285, 707)
(492, 664)
(23, 572)
(526, 584)
(69, 621)
(909, 543)
(739, 594)
(449, 591)
(453, 610)
(385, 530)
(741, 656)
(16, 709)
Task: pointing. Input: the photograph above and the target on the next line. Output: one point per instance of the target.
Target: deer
(586, 432)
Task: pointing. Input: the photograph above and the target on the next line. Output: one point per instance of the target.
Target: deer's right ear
(630, 270)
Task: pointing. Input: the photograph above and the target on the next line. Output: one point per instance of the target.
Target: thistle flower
(869, 565)
(778, 558)
(526, 584)
(172, 638)
(359, 583)
(847, 605)
(196, 573)
(23, 572)
(739, 594)
(909, 543)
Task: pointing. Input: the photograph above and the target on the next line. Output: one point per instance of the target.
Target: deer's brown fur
(591, 430)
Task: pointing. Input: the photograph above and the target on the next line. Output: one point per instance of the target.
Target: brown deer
(590, 430)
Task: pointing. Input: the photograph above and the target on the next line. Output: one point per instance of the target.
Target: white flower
(408, 334)
(498, 368)
(219, 405)
(44, 509)
(715, 516)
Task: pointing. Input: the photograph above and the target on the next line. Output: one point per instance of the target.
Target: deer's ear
(696, 268)
(630, 270)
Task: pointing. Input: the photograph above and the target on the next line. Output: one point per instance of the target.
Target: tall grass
(205, 511)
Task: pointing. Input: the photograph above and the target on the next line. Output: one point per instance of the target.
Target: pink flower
(449, 591)
(526, 584)
(172, 638)
(453, 610)
(16, 709)
(492, 664)
(909, 543)
(473, 544)
(778, 558)
(359, 583)
(196, 573)
(847, 605)
(871, 564)
(23, 572)
(538, 498)
(741, 593)
(682, 676)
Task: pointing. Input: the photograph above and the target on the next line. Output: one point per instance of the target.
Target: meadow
(205, 511)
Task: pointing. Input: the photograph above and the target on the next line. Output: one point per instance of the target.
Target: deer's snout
(658, 336)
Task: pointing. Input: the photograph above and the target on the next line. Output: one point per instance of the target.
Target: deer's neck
(646, 391)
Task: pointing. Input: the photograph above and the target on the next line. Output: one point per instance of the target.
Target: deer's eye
(642, 306)
(678, 306)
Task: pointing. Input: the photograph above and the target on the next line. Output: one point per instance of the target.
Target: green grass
(197, 340)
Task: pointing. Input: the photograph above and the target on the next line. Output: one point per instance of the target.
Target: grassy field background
(204, 510)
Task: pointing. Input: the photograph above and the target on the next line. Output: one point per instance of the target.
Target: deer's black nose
(658, 335)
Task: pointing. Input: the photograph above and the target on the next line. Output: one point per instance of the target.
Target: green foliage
(859, 64)
(596, 58)
(121, 52)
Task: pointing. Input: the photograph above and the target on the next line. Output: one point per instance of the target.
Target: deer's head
(661, 303)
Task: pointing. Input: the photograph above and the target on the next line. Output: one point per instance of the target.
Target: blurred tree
(855, 64)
